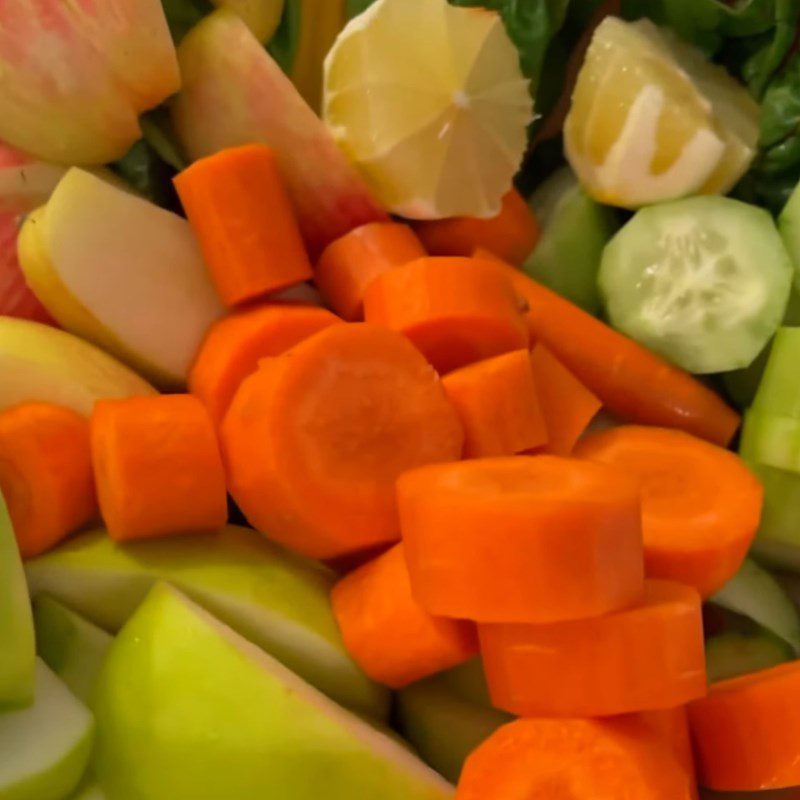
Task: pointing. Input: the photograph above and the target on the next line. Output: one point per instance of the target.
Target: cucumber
(575, 229)
(755, 593)
(789, 227)
(468, 681)
(771, 441)
(732, 654)
(703, 281)
(779, 391)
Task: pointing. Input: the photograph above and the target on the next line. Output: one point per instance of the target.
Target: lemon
(651, 119)
(429, 101)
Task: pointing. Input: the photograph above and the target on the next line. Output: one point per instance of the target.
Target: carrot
(498, 405)
(747, 731)
(511, 235)
(241, 213)
(671, 725)
(392, 638)
(573, 759)
(45, 474)
(642, 658)
(526, 539)
(234, 346)
(701, 505)
(348, 265)
(455, 310)
(315, 439)
(567, 405)
(633, 383)
(157, 466)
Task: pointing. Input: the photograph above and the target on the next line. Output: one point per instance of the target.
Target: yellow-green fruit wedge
(189, 710)
(44, 748)
(89, 791)
(121, 272)
(17, 650)
(40, 363)
(71, 646)
(277, 600)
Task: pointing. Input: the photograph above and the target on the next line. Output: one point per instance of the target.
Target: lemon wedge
(429, 101)
(652, 120)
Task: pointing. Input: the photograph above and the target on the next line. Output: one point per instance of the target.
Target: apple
(121, 272)
(75, 76)
(187, 708)
(261, 16)
(71, 646)
(88, 791)
(24, 182)
(40, 363)
(17, 644)
(278, 600)
(234, 93)
(45, 747)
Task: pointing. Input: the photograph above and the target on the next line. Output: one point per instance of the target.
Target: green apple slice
(145, 295)
(187, 708)
(71, 646)
(89, 792)
(277, 600)
(38, 362)
(17, 649)
(45, 747)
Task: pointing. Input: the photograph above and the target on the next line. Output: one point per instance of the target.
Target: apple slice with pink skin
(234, 93)
(24, 182)
(75, 76)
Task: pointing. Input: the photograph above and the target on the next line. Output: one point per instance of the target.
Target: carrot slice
(633, 383)
(348, 265)
(157, 466)
(45, 474)
(498, 405)
(525, 539)
(573, 759)
(747, 731)
(568, 406)
(701, 505)
(392, 638)
(455, 310)
(646, 657)
(315, 439)
(234, 346)
(241, 213)
(671, 725)
(512, 234)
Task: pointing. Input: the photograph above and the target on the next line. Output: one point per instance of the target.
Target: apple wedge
(277, 600)
(45, 747)
(71, 646)
(261, 16)
(40, 363)
(234, 93)
(121, 272)
(24, 182)
(75, 76)
(187, 708)
(17, 644)
(88, 791)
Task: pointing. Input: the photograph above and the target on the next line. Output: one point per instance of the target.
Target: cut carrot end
(455, 310)
(157, 466)
(234, 346)
(240, 211)
(45, 474)
(392, 638)
(671, 725)
(511, 235)
(539, 539)
(350, 264)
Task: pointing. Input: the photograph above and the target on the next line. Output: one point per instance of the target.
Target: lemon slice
(652, 120)
(429, 101)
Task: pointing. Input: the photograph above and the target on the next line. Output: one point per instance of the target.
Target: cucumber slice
(575, 229)
(779, 391)
(732, 654)
(789, 227)
(771, 441)
(778, 540)
(756, 594)
(703, 281)
(45, 747)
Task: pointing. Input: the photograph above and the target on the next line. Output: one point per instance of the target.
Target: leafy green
(283, 45)
(146, 172)
(184, 14)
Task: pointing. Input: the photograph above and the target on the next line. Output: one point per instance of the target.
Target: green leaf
(148, 174)
(182, 15)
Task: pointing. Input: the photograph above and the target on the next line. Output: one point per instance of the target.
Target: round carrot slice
(643, 658)
(573, 759)
(315, 439)
(747, 731)
(701, 506)
(455, 310)
(234, 346)
(525, 539)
